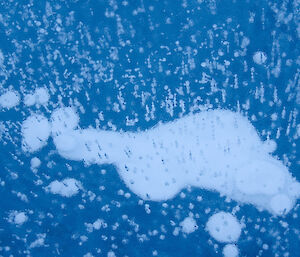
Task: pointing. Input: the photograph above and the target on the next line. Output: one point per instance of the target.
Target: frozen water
(224, 227)
(35, 130)
(216, 150)
(18, 218)
(230, 250)
(187, 109)
(188, 225)
(9, 99)
(259, 57)
(35, 163)
(39, 97)
(67, 187)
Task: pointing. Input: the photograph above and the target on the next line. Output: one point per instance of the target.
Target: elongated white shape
(67, 187)
(39, 97)
(216, 150)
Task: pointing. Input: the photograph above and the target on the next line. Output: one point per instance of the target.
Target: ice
(97, 224)
(39, 97)
(259, 57)
(216, 150)
(188, 225)
(64, 119)
(230, 250)
(42, 96)
(224, 227)
(39, 242)
(35, 163)
(9, 99)
(18, 217)
(281, 204)
(29, 99)
(252, 180)
(111, 254)
(67, 187)
(35, 131)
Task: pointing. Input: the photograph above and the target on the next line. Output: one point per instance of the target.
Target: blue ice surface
(69, 46)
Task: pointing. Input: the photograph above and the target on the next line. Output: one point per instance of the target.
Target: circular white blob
(224, 227)
(270, 146)
(35, 163)
(29, 100)
(230, 250)
(20, 218)
(188, 225)
(259, 57)
(281, 204)
(260, 177)
(65, 142)
(9, 100)
(35, 132)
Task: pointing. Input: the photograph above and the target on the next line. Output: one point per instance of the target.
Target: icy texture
(259, 57)
(67, 187)
(230, 250)
(35, 130)
(18, 218)
(224, 227)
(35, 163)
(216, 150)
(39, 97)
(9, 99)
(188, 225)
(63, 119)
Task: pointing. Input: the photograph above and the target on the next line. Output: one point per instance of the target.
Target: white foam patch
(224, 227)
(35, 131)
(259, 57)
(230, 250)
(39, 97)
(217, 150)
(67, 187)
(9, 99)
(188, 225)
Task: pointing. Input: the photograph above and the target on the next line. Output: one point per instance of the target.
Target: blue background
(153, 54)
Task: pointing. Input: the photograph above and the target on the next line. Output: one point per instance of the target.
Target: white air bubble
(230, 250)
(35, 132)
(259, 57)
(17, 217)
(67, 187)
(188, 225)
(281, 204)
(39, 97)
(35, 163)
(64, 119)
(224, 227)
(9, 99)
